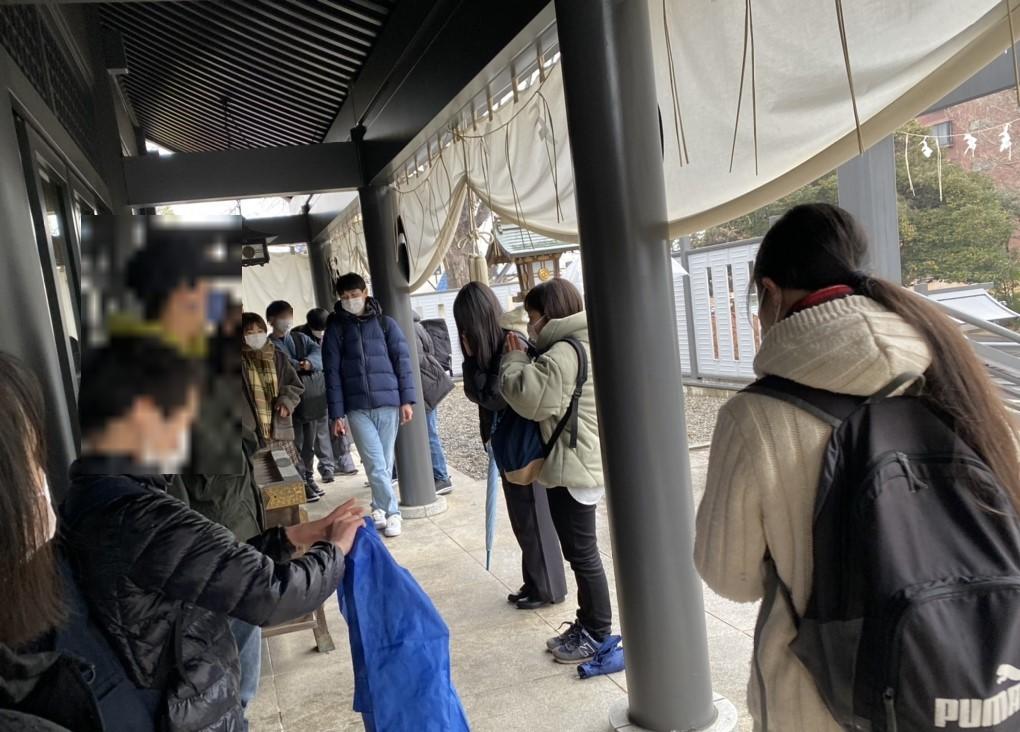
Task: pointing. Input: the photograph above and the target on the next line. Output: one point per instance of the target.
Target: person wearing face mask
(541, 389)
(338, 449)
(305, 354)
(831, 327)
(370, 381)
(272, 391)
(57, 672)
(161, 580)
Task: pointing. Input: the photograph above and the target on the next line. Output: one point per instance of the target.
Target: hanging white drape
(285, 277)
(785, 61)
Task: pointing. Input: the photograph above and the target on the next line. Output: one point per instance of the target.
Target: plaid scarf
(260, 369)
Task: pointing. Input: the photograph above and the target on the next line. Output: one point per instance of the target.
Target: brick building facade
(989, 114)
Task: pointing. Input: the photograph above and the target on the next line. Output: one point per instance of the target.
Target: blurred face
(282, 322)
(353, 301)
(164, 439)
(184, 314)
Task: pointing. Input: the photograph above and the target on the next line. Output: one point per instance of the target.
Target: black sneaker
(310, 495)
(555, 642)
(444, 487)
(327, 477)
(577, 649)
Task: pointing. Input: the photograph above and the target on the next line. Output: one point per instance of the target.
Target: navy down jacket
(366, 362)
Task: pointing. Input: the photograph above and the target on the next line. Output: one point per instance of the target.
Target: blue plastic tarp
(399, 643)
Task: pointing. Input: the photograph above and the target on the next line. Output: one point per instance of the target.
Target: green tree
(960, 236)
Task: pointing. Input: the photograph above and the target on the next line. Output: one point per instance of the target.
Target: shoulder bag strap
(827, 406)
(571, 417)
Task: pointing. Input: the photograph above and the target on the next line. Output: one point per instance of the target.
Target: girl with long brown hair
(827, 326)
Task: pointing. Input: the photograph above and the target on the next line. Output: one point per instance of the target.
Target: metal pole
(613, 124)
(867, 189)
(391, 287)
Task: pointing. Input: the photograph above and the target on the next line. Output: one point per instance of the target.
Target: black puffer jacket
(162, 580)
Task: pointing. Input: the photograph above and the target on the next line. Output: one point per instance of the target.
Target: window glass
(56, 226)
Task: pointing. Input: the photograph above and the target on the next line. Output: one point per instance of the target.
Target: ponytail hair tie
(861, 282)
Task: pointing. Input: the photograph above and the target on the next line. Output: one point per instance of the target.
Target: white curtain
(797, 118)
(286, 277)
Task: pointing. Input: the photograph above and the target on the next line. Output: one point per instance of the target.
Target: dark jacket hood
(88, 467)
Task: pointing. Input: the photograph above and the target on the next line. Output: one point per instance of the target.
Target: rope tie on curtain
(906, 159)
(849, 72)
(521, 221)
(1012, 45)
(748, 43)
(678, 121)
(553, 156)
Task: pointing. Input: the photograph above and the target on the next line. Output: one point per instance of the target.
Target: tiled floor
(506, 680)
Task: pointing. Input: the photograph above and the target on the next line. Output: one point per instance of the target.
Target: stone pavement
(505, 678)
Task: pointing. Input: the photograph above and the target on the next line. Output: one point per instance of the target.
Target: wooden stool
(283, 495)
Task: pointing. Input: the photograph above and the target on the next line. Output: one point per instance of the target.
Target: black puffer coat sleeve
(185, 557)
(482, 387)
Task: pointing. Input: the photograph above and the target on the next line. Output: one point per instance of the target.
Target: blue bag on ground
(608, 659)
(400, 645)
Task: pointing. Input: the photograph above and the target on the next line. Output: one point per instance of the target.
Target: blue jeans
(439, 469)
(249, 648)
(375, 434)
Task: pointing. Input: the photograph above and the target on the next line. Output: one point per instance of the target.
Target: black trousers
(533, 527)
(575, 526)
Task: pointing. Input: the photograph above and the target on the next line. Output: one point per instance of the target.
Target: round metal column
(621, 200)
(390, 286)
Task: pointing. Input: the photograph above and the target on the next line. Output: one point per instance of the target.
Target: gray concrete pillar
(867, 189)
(391, 287)
(32, 339)
(613, 122)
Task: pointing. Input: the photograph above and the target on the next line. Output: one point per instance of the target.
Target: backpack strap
(827, 406)
(571, 417)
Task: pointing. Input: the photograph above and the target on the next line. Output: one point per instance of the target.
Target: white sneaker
(393, 525)
(379, 516)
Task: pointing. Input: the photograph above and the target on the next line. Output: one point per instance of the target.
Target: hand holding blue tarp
(608, 659)
(399, 643)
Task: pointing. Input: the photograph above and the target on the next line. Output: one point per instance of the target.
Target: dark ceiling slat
(373, 6)
(183, 125)
(359, 49)
(216, 82)
(237, 81)
(336, 13)
(273, 39)
(375, 20)
(227, 34)
(143, 19)
(242, 126)
(253, 14)
(270, 12)
(335, 24)
(146, 87)
(194, 124)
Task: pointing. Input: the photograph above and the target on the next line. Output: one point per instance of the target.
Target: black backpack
(913, 622)
(313, 401)
(442, 347)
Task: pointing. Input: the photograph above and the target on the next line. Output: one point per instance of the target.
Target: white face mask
(282, 326)
(256, 340)
(170, 463)
(318, 334)
(355, 306)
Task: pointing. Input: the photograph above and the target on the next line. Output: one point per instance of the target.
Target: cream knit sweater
(763, 474)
